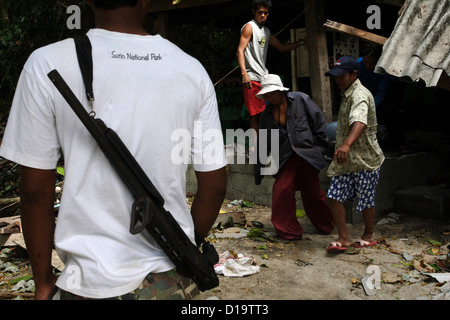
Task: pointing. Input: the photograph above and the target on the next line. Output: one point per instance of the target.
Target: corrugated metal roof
(419, 46)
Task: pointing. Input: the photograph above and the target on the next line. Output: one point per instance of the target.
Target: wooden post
(162, 24)
(294, 86)
(318, 56)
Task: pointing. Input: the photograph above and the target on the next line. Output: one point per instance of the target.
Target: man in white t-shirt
(155, 97)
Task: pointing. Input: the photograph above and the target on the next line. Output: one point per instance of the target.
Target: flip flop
(336, 247)
(364, 244)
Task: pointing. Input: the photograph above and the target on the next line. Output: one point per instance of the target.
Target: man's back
(146, 89)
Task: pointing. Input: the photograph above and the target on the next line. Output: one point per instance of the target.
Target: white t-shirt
(160, 101)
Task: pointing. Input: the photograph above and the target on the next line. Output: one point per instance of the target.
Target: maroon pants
(298, 174)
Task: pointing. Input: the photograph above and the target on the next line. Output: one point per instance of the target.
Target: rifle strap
(84, 53)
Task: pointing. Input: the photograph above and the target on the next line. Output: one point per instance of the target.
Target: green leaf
(434, 242)
(248, 204)
(26, 278)
(254, 233)
(60, 170)
(434, 266)
(300, 213)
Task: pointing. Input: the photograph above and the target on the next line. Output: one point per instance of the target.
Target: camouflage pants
(168, 285)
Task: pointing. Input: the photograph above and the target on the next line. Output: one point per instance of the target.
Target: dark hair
(372, 50)
(113, 4)
(261, 3)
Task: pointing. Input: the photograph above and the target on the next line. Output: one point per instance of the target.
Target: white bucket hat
(269, 83)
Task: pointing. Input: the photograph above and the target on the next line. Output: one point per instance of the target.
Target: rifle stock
(147, 210)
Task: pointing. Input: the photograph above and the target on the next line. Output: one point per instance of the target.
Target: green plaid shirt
(357, 104)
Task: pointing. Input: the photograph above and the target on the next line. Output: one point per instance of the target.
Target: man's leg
(369, 221)
(255, 107)
(340, 190)
(365, 190)
(254, 124)
(339, 216)
(313, 197)
(284, 217)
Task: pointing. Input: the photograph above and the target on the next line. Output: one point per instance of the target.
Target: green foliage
(215, 48)
(25, 26)
(30, 24)
(60, 171)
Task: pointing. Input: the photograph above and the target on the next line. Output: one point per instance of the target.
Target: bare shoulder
(247, 29)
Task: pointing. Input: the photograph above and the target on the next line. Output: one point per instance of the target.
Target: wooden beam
(318, 56)
(358, 33)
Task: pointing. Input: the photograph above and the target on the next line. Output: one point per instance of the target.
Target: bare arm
(38, 224)
(341, 153)
(284, 47)
(246, 35)
(210, 194)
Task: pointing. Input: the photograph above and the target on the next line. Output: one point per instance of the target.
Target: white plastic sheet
(231, 265)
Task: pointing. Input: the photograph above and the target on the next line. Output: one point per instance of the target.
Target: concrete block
(432, 202)
(263, 199)
(396, 173)
(266, 185)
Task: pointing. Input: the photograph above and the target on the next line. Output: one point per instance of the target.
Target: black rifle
(148, 212)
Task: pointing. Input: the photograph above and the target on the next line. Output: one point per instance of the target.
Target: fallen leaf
(247, 204)
(390, 277)
(434, 242)
(393, 250)
(434, 251)
(300, 213)
(422, 266)
(255, 232)
(25, 278)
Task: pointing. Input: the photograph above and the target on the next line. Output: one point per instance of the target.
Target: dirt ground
(408, 248)
(303, 270)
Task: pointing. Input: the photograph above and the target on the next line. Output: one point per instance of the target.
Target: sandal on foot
(336, 247)
(364, 244)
